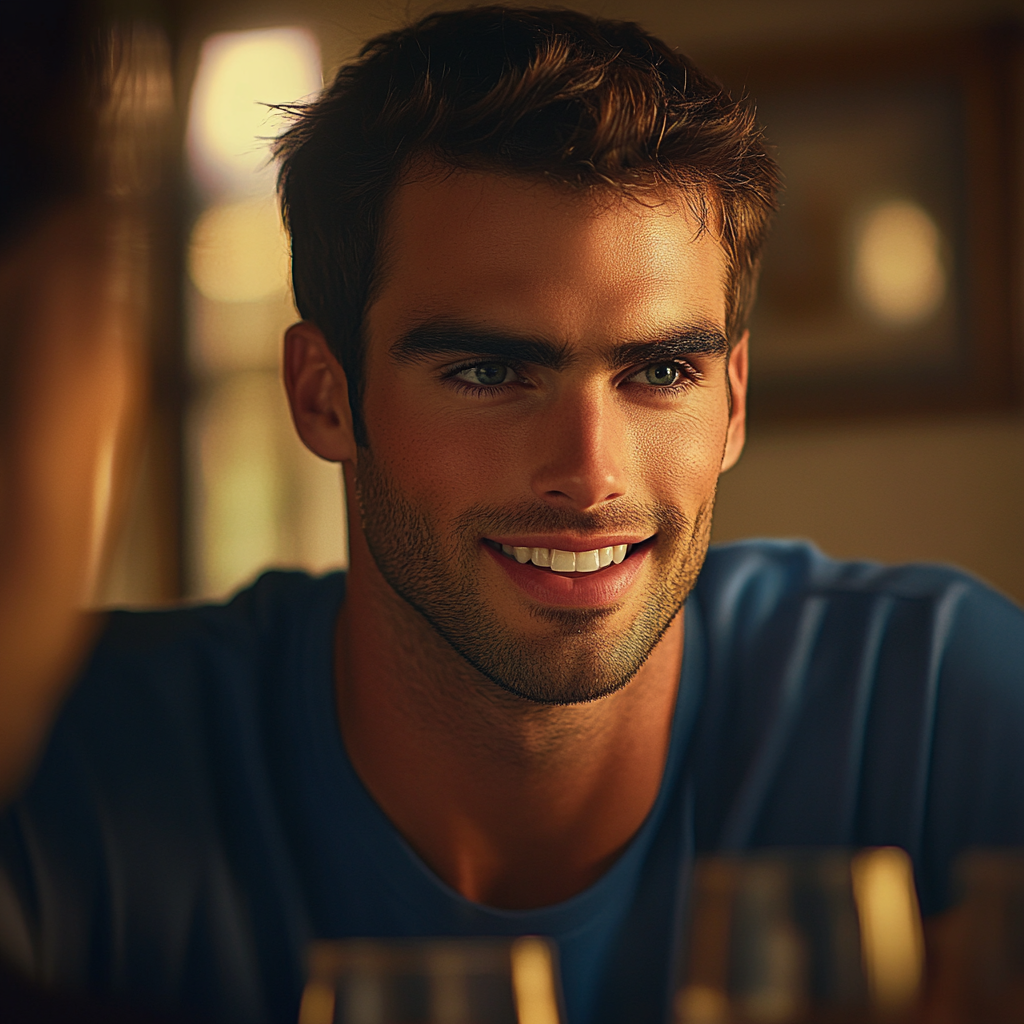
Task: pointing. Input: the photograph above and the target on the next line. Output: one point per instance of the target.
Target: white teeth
(568, 561)
(563, 561)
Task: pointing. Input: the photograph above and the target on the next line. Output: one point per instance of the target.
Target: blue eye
(487, 374)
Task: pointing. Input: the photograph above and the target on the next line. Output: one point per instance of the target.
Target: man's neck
(512, 803)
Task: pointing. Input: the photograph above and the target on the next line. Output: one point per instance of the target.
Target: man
(525, 245)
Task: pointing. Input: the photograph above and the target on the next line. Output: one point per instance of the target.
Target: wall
(947, 491)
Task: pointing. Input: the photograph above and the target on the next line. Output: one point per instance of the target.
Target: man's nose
(581, 447)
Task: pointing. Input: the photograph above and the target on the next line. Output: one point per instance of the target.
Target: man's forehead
(485, 247)
(474, 196)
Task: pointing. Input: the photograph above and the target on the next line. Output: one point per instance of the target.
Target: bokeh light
(239, 74)
(891, 938)
(239, 251)
(257, 497)
(898, 272)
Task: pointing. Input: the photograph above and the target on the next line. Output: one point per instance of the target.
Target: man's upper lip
(567, 543)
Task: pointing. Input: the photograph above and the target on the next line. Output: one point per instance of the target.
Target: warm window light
(239, 73)
(240, 484)
(239, 252)
(257, 498)
(898, 273)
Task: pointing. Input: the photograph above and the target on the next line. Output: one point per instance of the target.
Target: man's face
(546, 379)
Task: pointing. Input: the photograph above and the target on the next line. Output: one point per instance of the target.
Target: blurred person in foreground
(71, 312)
(69, 351)
(525, 247)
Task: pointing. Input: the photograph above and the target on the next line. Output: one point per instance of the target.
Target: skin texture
(517, 741)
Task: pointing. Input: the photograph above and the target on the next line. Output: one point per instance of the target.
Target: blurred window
(256, 496)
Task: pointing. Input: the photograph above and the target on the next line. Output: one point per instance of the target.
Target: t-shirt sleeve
(976, 778)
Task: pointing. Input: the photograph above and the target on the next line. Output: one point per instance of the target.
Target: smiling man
(525, 247)
(546, 420)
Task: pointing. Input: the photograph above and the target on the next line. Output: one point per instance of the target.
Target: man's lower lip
(578, 590)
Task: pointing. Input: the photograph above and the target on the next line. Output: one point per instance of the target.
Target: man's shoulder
(171, 699)
(271, 606)
(168, 776)
(852, 703)
(766, 603)
(202, 646)
(787, 566)
(752, 578)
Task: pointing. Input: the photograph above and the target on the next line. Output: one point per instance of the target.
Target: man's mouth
(596, 577)
(562, 561)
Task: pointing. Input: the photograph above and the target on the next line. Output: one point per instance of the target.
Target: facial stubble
(580, 657)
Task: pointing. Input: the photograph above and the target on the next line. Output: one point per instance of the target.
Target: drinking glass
(432, 981)
(801, 937)
(976, 950)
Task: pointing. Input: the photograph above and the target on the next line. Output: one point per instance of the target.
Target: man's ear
(318, 394)
(737, 432)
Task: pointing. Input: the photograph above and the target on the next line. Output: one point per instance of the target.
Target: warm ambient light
(533, 982)
(891, 940)
(229, 122)
(240, 487)
(898, 273)
(239, 252)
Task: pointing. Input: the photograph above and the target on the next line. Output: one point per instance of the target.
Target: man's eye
(487, 374)
(659, 375)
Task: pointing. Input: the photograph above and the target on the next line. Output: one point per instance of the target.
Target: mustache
(529, 517)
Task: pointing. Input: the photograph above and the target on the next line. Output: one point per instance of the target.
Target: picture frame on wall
(890, 283)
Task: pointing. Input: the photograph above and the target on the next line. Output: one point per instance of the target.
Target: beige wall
(924, 490)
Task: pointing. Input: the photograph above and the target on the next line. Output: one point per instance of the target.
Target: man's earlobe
(318, 394)
(737, 431)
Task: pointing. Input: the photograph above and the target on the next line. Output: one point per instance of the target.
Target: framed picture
(890, 283)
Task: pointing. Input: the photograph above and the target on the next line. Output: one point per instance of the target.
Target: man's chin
(557, 686)
(581, 661)
(575, 688)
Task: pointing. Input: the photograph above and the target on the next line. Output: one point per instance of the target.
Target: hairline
(437, 167)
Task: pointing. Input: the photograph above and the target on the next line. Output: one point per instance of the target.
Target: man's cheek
(469, 456)
(437, 469)
(682, 463)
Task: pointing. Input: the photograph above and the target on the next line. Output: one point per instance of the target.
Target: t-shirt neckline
(401, 868)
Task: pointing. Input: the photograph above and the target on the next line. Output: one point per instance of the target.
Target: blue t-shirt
(195, 822)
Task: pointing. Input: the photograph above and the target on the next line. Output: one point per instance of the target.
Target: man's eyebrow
(677, 345)
(435, 338)
(450, 337)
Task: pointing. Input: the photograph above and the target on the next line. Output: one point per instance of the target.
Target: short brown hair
(585, 102)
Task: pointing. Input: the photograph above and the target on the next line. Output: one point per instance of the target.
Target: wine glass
(432, 981)
(801, 937)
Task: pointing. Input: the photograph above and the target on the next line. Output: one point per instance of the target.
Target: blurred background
(886, 420)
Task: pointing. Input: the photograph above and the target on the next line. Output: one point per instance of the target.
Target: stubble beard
(580, 659)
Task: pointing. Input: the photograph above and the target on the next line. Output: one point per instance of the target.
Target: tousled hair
(583, 102)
